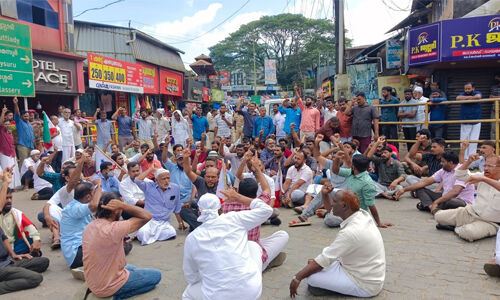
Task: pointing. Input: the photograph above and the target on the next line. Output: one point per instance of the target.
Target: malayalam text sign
(270, 71)
(424, 44)
(149, 78)
(115, 75)
(470, 38)
(171, 83)
(16, 60)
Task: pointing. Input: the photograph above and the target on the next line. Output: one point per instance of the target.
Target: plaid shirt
(253, 234)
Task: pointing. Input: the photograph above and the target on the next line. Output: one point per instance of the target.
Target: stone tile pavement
(422, 262)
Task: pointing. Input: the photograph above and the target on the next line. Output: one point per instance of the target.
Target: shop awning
(412, 19)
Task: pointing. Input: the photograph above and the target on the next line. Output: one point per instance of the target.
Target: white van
(269, 105)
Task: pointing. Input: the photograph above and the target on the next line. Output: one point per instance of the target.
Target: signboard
(326, 87)
(470, 38)
(114, 75)
(206, 94)
(149, 78)
(217, 95)
(270, 71)
(363, 78)
(16, 60)
(255, 99)
(224, 77)
(398, 82)
(393, 54)
(424, 44)
(54, 74)
(171, 83)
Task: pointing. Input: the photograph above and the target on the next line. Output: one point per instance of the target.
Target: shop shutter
(454, 84)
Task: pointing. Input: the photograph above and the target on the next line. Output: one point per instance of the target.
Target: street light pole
(254, 72)
(339, 36)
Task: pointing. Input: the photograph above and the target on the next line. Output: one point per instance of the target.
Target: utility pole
(339, 36)
(254, 71)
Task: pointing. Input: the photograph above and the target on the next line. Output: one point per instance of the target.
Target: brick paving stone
(422, 262)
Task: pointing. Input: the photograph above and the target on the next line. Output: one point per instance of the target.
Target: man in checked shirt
(272, 245)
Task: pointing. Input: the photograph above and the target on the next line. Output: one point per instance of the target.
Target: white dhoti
(67, 153)
(194, 291)
(8, 161)
(335, 279)
(274, 244)
(155, 230)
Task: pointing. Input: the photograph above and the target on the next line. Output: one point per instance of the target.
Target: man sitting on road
(219, 260)
(106, 270)
(455, 193)
(162, 199)
(130, 192)
(28, 168)
(390, 171)
(354, 264)
(433, 159)
(486, 149)
(107, 175)
(481, 218)
(206, 184)
(298, 178)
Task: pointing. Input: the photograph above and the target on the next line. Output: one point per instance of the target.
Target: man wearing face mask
(310, 122)
(390, 171)
(146, 131)
(107, 175)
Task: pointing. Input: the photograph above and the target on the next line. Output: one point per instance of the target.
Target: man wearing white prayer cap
(162, 199)
(28, 168)
(219, 260)
(418, 94)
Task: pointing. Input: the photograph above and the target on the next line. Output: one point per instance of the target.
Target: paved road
(422, 262)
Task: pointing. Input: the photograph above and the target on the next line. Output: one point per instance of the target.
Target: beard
(149, 159)
(181, 167)
(6, 208)
(308, 104)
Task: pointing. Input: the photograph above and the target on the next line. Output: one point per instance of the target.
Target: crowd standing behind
(223, 175)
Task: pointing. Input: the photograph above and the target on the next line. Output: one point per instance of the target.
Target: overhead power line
(98, 8)
(215, 27)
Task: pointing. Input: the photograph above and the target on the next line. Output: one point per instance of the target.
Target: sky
(194, 25)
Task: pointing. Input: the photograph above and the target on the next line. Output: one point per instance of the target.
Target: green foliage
(297, 43)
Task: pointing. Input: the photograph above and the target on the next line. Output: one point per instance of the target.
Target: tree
(293, 40)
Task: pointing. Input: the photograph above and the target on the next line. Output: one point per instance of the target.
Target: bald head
(345, 203)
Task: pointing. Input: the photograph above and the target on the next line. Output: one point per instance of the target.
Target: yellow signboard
(398, 82)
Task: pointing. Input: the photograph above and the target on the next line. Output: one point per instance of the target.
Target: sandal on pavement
(421, 207)
(277, 261)
(298, 209)
(55, 245)
(34, 196)
(492, 269)
(300, 222)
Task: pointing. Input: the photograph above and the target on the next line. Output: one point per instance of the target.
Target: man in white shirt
(223, 123)
(42, 187)
(145, 125)
(329, 111)
(28, 168)
(279, 123)
(219, 261)
(162, 124)
(418, 94)
(479, 219)
(57, 145)
(354, 264)
(298, 178)
(131, 193)
(68, 141)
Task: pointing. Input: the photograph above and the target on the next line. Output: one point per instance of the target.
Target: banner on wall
(206, 94)
(327, 88)
(149, 78)
(114, 75)
(393, 53)
(270, 71)
(424, 44)
(171, 83)
(224, 77)
(398, 82)
(217, 95)
(363, 78)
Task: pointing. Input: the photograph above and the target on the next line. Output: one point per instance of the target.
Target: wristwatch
(294, 278)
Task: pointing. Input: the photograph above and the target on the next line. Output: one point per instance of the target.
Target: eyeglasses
(491, 166)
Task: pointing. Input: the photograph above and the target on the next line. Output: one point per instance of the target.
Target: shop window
(38, 12)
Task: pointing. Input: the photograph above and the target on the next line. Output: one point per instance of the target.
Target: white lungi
(155, 230)
(335, 279)
(67, 153)
(55, 212)
(470, 132)
(7, 161)
(274, 244)
(193, 291)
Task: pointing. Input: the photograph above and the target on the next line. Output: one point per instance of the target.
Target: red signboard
(149, 78)
(171, 83)
(224, 77)
(206, 94)
(111, 74)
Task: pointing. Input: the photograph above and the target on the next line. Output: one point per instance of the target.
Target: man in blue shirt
(389, 114)
(249, 116)
(25, 133)
(125, 127)
(263, 123)
(472, 111)
(75, 217)
(438, 113)
(293, 115)
(162, 199)
(200, 123)
(177, 174)
(107, 175)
